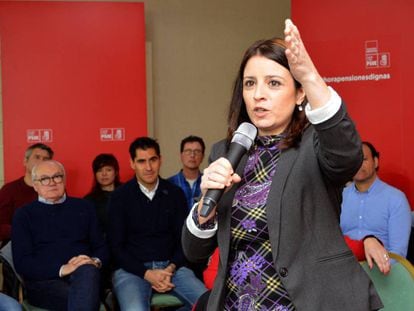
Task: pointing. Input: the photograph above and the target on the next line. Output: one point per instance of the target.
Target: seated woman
(106, 179)
(105, 168)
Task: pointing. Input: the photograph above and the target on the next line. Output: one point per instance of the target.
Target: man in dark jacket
(146, 215)
(57, 245)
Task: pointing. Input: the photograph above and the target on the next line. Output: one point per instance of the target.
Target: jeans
(134, 293)
(78, 291)
(8, 303)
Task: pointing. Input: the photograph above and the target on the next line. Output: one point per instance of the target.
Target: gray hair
(58, 164)
(41, 146)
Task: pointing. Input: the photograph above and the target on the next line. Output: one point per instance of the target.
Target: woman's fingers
(217, 175)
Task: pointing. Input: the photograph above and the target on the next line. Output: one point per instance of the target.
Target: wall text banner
(363, 49)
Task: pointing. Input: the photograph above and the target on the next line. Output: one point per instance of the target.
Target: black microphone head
(245, 135)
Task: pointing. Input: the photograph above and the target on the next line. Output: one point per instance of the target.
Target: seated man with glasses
(57, 246)
(189, 177)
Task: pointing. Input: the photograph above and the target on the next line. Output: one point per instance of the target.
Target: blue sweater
(191, 193)
(45, 237)
(142, 230)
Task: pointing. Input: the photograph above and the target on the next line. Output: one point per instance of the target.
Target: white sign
(39, 135)
(374, 58)
(112, 134)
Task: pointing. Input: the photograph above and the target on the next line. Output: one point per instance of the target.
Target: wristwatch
(97, 262)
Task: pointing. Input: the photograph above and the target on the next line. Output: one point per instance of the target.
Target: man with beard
(375, 210)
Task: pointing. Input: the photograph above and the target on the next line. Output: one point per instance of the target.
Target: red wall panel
(372, 40)
(76, 70)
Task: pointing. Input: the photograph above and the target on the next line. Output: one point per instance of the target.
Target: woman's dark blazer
(316, 267)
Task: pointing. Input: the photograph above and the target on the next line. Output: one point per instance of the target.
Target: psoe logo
(374, 58)
(112, 134)
(106, 134)
(39, 135)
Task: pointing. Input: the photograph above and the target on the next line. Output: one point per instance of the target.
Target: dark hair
(374, 151)
(273, 49)
(101, 160)
(143, 143)
(193, 139)
(44, 147)
(105, 159)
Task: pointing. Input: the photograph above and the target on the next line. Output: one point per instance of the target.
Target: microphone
(241, 142)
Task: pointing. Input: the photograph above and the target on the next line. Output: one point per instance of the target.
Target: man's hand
(160, 279)
(76, 262)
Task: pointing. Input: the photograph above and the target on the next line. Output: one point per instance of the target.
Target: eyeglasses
(196, 152)
(46, 180)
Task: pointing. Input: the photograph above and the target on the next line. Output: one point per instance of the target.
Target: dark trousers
(79, 291)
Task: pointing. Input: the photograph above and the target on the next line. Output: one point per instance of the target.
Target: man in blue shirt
(189, 178)
(373, 208)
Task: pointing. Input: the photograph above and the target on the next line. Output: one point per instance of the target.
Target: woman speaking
(277, 224)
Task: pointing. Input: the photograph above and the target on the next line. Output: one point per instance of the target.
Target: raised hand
(301, 65)
(303, 69)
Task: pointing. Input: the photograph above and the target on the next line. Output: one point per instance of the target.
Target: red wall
(366, 40)
(73, 72)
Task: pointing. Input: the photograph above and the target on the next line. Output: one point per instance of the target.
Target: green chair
(160, 301)
(397, 288)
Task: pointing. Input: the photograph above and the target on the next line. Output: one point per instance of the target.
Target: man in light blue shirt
(372, 207)
(189, 178)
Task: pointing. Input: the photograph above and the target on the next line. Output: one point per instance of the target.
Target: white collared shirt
(149, 193)
(61, 200)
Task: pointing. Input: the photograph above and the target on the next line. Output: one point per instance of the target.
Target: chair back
(396, 289)
(11, 280)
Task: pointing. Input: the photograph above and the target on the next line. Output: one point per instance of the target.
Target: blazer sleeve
(198, 249)
(338, 147)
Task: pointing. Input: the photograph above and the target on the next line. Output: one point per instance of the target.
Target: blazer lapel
(274, 200)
